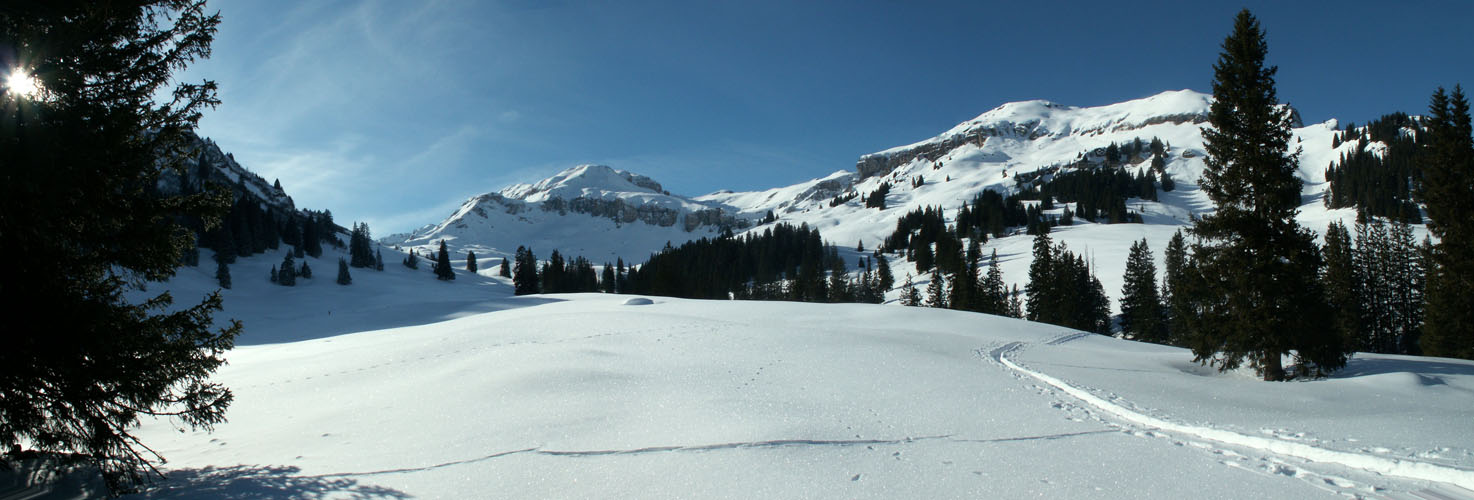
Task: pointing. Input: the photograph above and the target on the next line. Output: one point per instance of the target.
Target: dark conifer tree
(298, 252)
(471, 261)
(287, 274)
(83, 230)
(442, 267)
(506, 269)
(608, 279)
(1015, 304)
(222, 274)
(1041, 269)
(1141, 306)
(360, 247)
(1342, 282)
(552, 274)
(884, 279)
(936, 295)
(839, 289)
(1447, 188)
(378, 260)
(412, 260)
(343, 277)
(1261, 295)
(994, 292)
(909, 295)
(273, 274)
(1176, 306)
(311, 238)
(923, 256)
(191, 256)
(305, 271)
(223, 242)
(524, 276)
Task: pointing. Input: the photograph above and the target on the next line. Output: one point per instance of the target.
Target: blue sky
(394, 112)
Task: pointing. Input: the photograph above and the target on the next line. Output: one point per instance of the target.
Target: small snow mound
(638, 301)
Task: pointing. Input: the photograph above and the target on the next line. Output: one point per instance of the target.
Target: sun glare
(20, 83)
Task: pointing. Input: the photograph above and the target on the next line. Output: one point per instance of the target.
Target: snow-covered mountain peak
(584, 181)
(1025, 121)
(594, 211)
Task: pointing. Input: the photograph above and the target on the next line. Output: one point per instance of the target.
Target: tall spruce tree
(1015, 307)
(1261, 295)
(443, 270)
(80, 160)
(471, 261)
(1040, 271)
(524, 277)
(909, 295)
(1141, 305)
(343, 277)
(1447, 188)
(936, 295)
(222, 274)
(1174, 302)
(287, 275)
(360, 247)
(994, 292)
(505, 270)
(1342, 281)
(883, 278)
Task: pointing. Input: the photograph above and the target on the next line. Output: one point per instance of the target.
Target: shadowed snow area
(586, 397)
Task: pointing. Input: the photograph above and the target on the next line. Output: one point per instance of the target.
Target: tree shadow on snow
(313, 323)
(1360, 366)
(262, 482)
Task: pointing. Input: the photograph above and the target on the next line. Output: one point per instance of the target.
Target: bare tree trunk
(1274, 371)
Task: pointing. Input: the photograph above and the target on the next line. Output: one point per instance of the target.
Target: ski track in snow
(1456, 483)
(776, 443)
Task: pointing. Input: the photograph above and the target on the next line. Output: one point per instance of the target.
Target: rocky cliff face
(208, 165)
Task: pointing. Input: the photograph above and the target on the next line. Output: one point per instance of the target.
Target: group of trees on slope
(1253, 286)
(1380, 182)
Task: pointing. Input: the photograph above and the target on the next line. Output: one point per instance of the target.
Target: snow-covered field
(469, 392)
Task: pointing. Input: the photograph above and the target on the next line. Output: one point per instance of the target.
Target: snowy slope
(987, 152)
(592, 211)
(582, 396)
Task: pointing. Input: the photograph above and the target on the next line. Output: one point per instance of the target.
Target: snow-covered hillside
(592, 211)
(990, 151)
(457, 389)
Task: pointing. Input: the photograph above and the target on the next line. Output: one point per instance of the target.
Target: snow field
(1404, 468)
(583, 396)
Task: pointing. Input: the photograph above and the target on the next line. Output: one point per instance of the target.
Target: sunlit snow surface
(474, 393)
